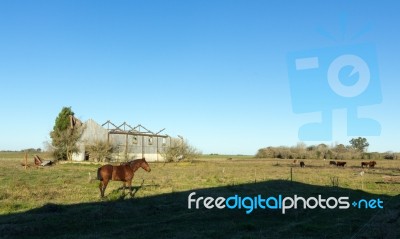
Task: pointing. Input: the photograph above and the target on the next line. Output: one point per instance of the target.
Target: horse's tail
(98, 175)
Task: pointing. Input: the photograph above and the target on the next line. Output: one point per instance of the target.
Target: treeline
(29, 150)
(322, 151)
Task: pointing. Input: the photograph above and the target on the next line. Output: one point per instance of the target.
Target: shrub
(180, 150)
(100, 151)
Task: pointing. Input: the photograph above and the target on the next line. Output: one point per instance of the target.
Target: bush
(100, 151)
(389, 156)
(266, 153)
(180, 150)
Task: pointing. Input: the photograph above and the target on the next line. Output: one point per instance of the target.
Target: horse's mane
(134, 162)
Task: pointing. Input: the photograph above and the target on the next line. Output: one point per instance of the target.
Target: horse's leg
(129, 183)
(123, 188)
(105, 183)
(101, 189)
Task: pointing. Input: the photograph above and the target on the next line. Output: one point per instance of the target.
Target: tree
(268, 152)
(180, 150)
(340, 148)
(339, 151)
(322, 150)
(359, 143)
(63, 119)
(65, 135)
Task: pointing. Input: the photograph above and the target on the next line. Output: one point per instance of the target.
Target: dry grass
(74, 185)
(21, 189)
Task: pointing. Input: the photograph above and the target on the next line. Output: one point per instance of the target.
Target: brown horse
(372, 164)
(332, 163)
(302, 164)
(123, 172)
(366, 164)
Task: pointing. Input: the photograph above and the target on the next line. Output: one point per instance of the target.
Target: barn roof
(96, 132)
(127, 129)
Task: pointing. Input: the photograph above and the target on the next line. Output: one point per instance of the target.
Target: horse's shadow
(123, 194)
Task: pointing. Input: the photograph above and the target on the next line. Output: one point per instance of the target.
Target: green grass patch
(63, 201)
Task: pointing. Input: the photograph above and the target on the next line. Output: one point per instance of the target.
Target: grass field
(63, 201)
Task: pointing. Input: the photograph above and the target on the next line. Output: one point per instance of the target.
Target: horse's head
(144, 165)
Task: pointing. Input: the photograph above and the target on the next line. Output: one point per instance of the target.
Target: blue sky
(212, 71)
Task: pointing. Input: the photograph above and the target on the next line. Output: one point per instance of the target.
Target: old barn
(128, 142)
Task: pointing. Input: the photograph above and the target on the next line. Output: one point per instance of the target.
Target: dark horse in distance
(123, 172)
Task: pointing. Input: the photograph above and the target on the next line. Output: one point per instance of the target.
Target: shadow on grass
(168, 216)
(133, 189)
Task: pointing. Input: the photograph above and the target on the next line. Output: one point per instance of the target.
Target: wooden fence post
(26, 160)
(291, 174)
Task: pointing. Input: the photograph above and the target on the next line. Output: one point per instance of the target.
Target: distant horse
(302, 164)
(340, 164)
(295, 161)
(332, 163)
(123, 172)
(366, 164)
(372, 164)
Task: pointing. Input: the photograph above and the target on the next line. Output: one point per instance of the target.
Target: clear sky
(215, 72)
